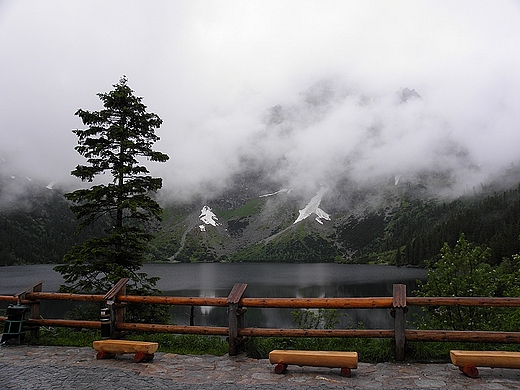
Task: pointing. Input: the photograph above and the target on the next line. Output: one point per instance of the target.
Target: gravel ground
(28, 367)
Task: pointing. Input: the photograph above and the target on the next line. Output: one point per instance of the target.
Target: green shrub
(464, 271)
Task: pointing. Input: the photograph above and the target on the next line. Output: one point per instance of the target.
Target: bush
(464, 271)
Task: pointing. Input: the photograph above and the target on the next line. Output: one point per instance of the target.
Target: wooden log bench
(143, 350)
(332, 359)
(468, 361)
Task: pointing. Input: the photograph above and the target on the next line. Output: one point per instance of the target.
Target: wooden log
(471, 371)
(339, 359)
(291, 303)
(463, 301)
(63, 296)
(399, 310)
(143, 357)
(358, 333)
(361, 303)
(104, 355)
(345, 371)
(8, 298)
(234, 314)
(125, 346)
(315, 303)
(178, 329)
(493, 359)
(35, 308)
(236, 293)
(37, 287)
(116, 290)
(166, 300)
(280, 368)
(65, 323)
(465, 336)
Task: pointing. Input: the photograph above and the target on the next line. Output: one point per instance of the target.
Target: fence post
(399, 310)
(117, 309)
(192, 315)
(35, 305)
(235, 317)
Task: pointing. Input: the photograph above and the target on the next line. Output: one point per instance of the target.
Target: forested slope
(417, 231)
(39, 228)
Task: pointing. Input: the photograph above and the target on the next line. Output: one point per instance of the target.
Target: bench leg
(280, 368)
(143, 357)
(104, 355)
(346, 372)
(470, 371)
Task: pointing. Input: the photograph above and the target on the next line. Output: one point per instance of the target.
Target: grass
(440, 351)
(63, 337)
(179, 344)
(185, 344)
(370, 350)
(252, 207)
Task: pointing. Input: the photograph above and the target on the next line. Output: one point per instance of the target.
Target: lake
(324, 280)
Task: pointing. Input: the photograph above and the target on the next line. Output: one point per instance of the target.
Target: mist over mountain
(324, 176)
(336, 135)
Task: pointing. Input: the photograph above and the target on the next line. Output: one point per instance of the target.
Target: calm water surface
(264, 280)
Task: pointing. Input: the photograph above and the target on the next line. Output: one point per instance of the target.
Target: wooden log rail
(319, 303)
(463, 301)
(353, 333)
(237, 305)
(463, 336)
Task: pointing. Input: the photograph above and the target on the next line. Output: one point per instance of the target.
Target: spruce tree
(115, 141)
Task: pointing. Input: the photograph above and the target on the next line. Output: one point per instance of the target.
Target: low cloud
(309, 91)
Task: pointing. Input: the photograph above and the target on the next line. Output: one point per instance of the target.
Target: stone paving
(29, 367)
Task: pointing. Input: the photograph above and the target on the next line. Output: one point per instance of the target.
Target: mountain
(395, 223)
(334, 175)
(36, 225)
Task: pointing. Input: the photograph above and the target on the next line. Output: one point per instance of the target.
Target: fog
(310, 90)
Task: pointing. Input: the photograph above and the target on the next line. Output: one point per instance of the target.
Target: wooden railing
(236, 304)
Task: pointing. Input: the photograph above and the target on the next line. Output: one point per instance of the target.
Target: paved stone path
(28, 367)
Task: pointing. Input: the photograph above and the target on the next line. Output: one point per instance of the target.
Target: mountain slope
(389, 223)
(36, 228)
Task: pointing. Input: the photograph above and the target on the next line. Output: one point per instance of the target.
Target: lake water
(326, 280)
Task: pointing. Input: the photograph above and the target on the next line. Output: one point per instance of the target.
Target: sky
(215, 70)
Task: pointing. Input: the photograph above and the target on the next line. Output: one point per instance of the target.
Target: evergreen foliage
(465, 271)
(39, 227)
(113, 142)
(310, 248)
(420, 229)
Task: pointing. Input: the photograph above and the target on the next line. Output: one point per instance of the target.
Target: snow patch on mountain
(207, 217)
(313, 208)
(276, 193)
